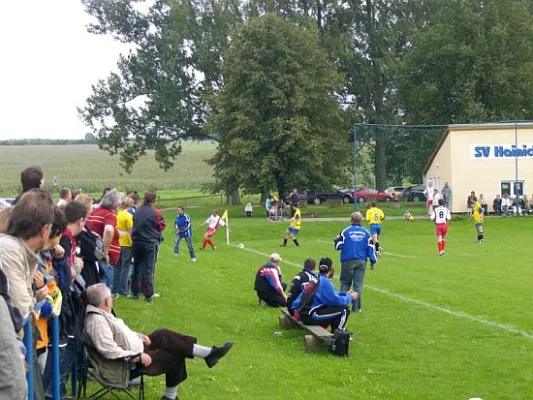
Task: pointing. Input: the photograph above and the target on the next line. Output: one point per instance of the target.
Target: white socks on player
(201, 351)
(171, 392)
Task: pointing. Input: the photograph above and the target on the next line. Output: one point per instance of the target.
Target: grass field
(452, 327)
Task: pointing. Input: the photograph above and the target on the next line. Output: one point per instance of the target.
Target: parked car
(396, 191)
(6, 202)
(414, 193)
(365, 193)
(319, 197)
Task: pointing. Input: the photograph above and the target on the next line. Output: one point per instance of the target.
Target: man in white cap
(269, 283)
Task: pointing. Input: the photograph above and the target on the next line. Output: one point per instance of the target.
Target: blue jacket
(354, 244)
(183, 225)
(326, 295)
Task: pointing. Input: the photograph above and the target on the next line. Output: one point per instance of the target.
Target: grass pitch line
(385, 252)
(458, 314)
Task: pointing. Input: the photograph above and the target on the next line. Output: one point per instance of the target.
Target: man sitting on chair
(115, 347)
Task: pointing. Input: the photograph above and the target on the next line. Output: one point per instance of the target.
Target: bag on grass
(341, 343)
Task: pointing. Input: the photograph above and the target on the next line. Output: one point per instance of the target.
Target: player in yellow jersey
(478, 216)
(375, 216)
(294, 227)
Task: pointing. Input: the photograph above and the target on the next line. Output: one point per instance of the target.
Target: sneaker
(156, 295)
(115, 296)
(148, 299)
(214, 247)
(176, 254)
(193, 259)
(202, 248)
(134, 297)
(441, 253)
(283, 245)
(217, 353)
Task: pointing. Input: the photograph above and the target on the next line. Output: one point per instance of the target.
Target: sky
(49, 62)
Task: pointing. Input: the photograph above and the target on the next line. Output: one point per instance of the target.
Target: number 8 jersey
(441, 215)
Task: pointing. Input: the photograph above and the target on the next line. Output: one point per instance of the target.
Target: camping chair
(87, 370)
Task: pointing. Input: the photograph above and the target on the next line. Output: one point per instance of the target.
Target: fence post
(55, 358)
(354, 166)
(28, 343)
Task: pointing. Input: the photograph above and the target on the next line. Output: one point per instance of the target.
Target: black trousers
(168, 351)
(273, 299)
(145, 257)
(336, 316)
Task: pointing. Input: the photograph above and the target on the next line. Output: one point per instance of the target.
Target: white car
(6, 202)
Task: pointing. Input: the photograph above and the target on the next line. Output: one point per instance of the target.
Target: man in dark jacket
(305, 276)
(148, 225)
(30, 178)
(269, 283)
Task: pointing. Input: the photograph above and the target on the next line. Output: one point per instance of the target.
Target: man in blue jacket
(328, 306)
(356, 247)
(183, 229)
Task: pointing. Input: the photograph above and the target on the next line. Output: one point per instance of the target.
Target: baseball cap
(325, 265)
(275, 257)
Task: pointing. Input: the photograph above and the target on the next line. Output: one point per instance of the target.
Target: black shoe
(283, 245)
(134, 297)
(202, 248)
(167, 398)
(217, 353)
(148, 299)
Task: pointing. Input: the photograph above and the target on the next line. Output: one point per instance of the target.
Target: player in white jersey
(441, 215)
(212, 222)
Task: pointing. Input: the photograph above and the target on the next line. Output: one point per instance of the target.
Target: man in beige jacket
(113, 348)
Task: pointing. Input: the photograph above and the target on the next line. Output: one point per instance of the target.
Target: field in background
(452, 327)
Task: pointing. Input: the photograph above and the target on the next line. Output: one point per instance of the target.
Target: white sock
(201, 351)
(171, 392)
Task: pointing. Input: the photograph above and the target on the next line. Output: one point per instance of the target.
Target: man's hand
(59, 252)
(145, 359)
(354, 295)
(146, 340)
(372, 266)
(38, 280)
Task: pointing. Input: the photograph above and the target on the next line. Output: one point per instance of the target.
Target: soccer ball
(411, 218)
(240, 246)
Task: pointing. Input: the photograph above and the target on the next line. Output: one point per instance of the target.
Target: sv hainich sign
(500, 151)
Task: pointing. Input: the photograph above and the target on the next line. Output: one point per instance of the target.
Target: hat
(325, 265)
(275, 257)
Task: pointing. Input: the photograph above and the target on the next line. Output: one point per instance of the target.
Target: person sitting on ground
(114, 346)
(326, 305)
(65, 197)
(303, 277)
(269, 283)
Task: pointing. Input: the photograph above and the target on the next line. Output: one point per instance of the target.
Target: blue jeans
(189, 245)
(353, 272)
(121, 275)
(107, 269)
(67, 358)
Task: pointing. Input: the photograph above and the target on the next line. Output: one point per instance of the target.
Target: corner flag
(225, 217)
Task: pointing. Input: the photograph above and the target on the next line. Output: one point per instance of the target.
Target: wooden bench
(319, 339)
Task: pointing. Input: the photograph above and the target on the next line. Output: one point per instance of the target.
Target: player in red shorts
(213, 223)
(441, 215)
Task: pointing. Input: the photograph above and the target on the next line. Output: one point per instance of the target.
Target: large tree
(277, 118)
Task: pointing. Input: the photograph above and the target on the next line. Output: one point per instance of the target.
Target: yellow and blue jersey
(374, 215)
(478, 213)
(296, 220)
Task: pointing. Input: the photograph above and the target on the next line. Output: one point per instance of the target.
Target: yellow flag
(225, 215)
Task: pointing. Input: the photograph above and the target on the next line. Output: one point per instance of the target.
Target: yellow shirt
(124, 224)
(478, 213)
(296, 221)
(374, 215)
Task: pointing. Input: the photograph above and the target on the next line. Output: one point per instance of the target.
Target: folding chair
(87, 370)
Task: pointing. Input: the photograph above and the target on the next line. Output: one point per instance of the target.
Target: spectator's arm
(21, 293)
(273, 280)
(109, 233)
(330, 297)
(371, 252)
(339, 241)
(160, 221)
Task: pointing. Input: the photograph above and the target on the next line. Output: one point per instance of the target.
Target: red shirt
(73, 244)
(96, 221)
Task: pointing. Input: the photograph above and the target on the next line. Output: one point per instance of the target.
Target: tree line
(278, 83)
(88, 139)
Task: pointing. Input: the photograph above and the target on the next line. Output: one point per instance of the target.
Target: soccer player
(441, 215)
(375, 217)
(294, 227)
(212, 222)
(478, 216)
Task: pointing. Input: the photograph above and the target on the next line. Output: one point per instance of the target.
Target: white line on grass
(385, 252)
(458, 314)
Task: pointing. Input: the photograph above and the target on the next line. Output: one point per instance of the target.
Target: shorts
(430, 202)
(211, 231)
(375, 229)
(294, 231)
(441, 230)
(479, 224)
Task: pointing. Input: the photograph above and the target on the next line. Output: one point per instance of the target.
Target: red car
(365, 193)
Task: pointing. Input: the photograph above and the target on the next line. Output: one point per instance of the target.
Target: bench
(319, 339)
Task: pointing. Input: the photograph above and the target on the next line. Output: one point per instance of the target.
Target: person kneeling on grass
(320, 304)
(115, 346)
(269, 283)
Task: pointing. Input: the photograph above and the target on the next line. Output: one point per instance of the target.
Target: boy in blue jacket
(328, 305)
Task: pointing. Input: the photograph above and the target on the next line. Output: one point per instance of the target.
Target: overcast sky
(48, 64)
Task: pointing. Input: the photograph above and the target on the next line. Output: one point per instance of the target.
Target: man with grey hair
(113, 347)
(103, 221)
(356, 246)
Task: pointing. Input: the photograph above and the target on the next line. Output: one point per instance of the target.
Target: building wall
(477, 163)
(440, 170)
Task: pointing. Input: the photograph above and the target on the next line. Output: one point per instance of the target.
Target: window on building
(512, 188)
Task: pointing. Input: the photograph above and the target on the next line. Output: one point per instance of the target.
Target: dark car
(414, 193)
(321, 196)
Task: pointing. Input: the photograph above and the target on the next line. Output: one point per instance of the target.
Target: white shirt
(62, 203)
(436, 198)
(214, 220)
(429, 192)
(441, 215)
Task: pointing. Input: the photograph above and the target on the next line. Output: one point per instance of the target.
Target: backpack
(308, 295)
(341, 343)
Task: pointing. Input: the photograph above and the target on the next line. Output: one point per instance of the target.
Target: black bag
(341, 343)
(308, 295)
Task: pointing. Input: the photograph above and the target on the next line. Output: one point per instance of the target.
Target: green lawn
(451, 327)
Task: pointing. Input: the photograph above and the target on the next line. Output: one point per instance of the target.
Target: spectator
(248, 210)
(269, 283)
(326, 305)
(446, 195)
(435, 199)
(356, 247)
(75, 193)
(497, 205)
(30, 178)
(294, 200)
(183, 229)
(123, 270)
(65, 197)
(268, 204)
(148, 224)
(428, 192)
(28, 231)
(484, 204)
(526, 206)
(470, 202)
(161, 352)
(102, 221)
(136, 202)
(299, 281)
(97, 202)
(4, 219)
(86, 200)
(506, 203)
